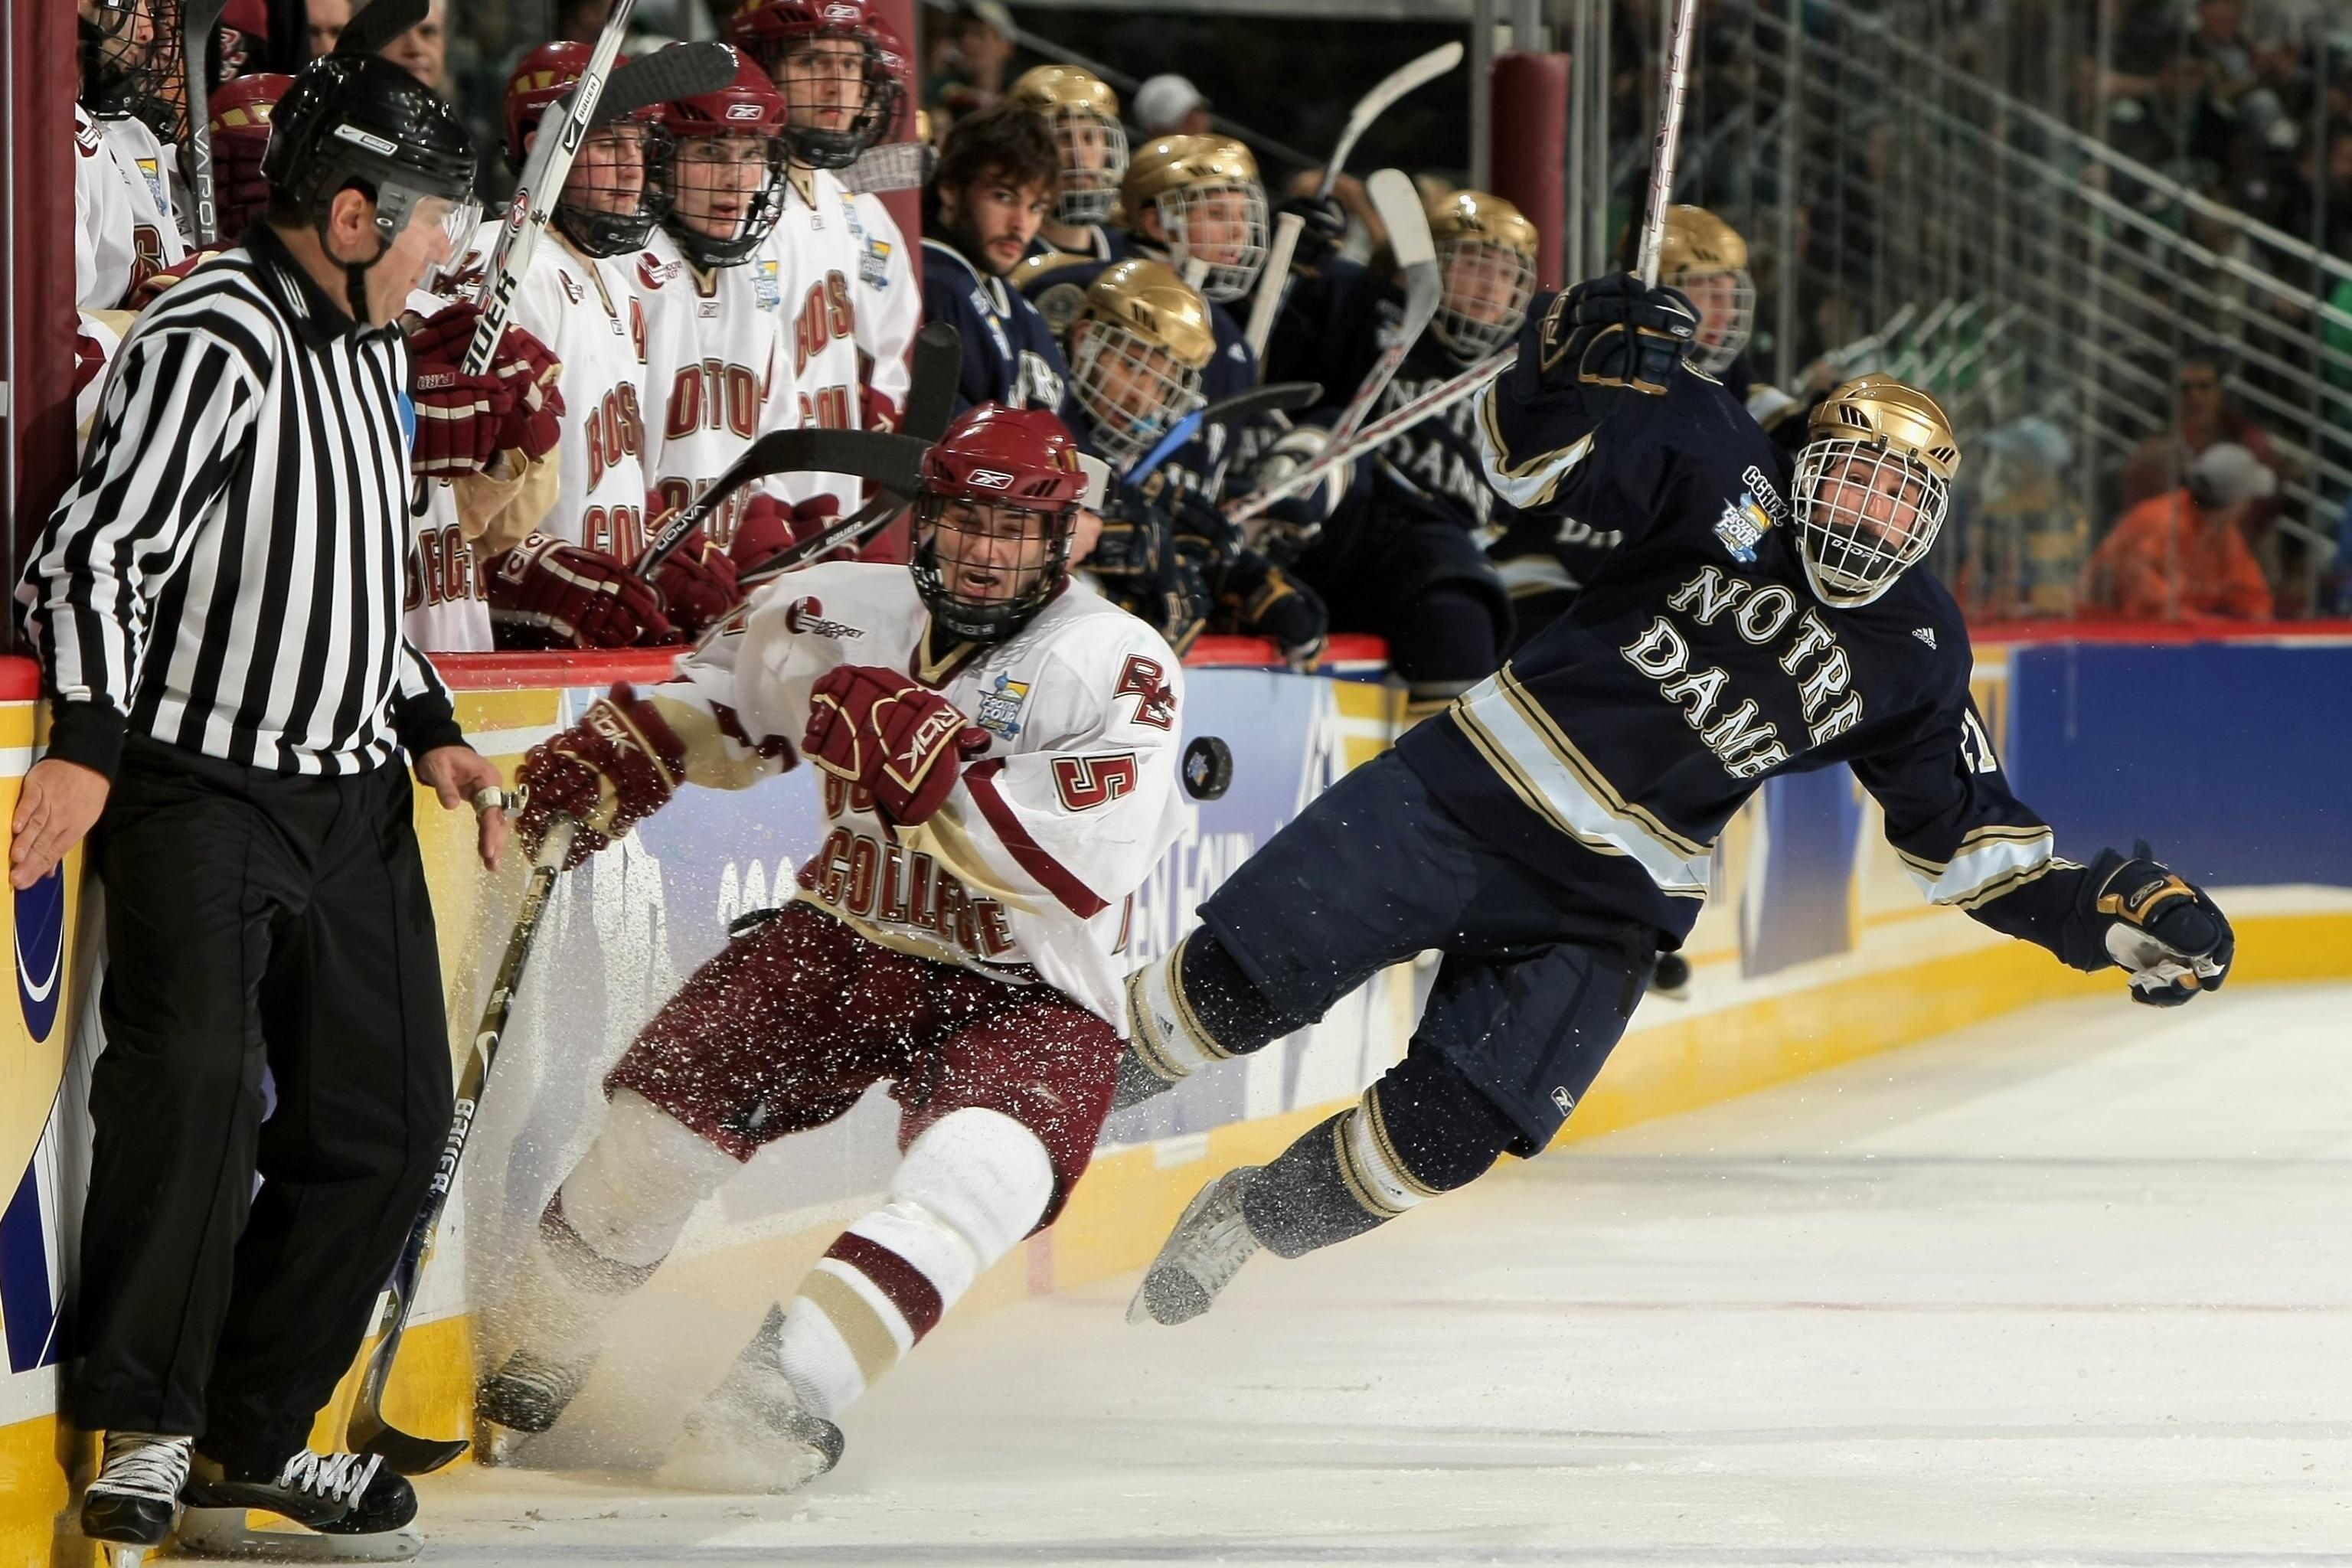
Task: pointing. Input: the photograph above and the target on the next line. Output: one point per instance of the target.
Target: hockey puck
(1208, 768)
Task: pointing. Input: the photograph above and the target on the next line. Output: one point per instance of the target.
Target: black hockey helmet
(353, 119)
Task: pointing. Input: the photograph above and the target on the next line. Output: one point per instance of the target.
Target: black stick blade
(937, 368)
(681, 70)
(382, 22)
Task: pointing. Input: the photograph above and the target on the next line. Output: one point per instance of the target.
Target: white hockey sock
(617, 1214)
(1168, 1036)
(970, 1187)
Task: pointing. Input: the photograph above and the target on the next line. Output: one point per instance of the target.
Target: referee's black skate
(752, 1434)
(130, 1505)
(1201, 1256)
(346, 1508)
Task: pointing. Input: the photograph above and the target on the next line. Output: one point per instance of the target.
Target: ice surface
(2075, 1286)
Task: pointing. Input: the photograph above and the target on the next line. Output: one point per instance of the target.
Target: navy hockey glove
(1268, 604)
(1325, 227)
(2173, 938)
(1611, 332)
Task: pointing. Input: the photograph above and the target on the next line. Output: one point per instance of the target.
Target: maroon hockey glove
(621, 763)
(532, 420)
(458, 418)
(766, 529)
(697, 581)
(876, 728)
(875, 411)
(546, 594)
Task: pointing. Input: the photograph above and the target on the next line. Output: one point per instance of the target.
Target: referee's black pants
(252, 918)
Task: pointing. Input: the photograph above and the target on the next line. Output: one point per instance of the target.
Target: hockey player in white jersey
(826, 57)
(572, 584)
(999, 746)
(716, 373)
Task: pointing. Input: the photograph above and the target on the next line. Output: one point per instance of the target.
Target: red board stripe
(1051, 874)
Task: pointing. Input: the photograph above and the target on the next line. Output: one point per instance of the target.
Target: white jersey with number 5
(583, 310)
(1032, 862)
(716, 375)
(128, 229)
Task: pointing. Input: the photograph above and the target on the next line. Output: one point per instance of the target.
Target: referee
(218, 605)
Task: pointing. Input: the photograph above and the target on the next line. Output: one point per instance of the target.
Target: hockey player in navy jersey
(1544, 560)
(994, 185)
(1137, 345)
(1083, 112)
(1404, 555)
(1186, 201)
(1550, 832)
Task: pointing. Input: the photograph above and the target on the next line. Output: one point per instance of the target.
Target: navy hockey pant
(253, 919)
(1534, 991)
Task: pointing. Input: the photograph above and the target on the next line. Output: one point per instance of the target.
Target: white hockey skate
(129, 1507)
(752, 1435)
(329, 1508)
(1201, 1256)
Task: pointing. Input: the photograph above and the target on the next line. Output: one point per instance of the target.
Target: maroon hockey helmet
(993, 519)
(774, 32)
(609, 204)
(724, 200)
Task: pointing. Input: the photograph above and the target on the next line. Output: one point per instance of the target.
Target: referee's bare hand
(59, 803)
(458, 773)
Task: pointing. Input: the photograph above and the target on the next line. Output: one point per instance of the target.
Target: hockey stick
(1400, 212)
(931, 405)
(375, 26)
(544, 174)
(1279, 396)
(1663, 151)
(677, 70)
(884, 458)
(198, 25)
(1376, 433)
(1275, 277)
(367, 1432)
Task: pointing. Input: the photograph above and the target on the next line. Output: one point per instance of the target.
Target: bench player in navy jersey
(1403, 556)
(994, 185)
(1083, 112)
(1554, 827)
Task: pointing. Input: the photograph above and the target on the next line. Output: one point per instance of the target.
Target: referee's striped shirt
(226, 575)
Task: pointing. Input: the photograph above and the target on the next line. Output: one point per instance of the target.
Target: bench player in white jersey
(572, 583)
(999, 747)
(125, 226)
(826, 60)
(716, 375)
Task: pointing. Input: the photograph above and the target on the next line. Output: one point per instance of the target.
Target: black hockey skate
(752, 1434)
(531, 1391)
(131, 1504)
(348, 1507)
(1201, 1256)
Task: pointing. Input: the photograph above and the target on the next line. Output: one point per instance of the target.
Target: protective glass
(725, 190)
(1132, 389)
(1863, 515)
(1726, 312)
(1224, 226)
(1094, 160)
(1483, 296)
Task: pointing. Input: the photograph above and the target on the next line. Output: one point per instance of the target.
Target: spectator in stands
(964, 70)
(2206, 415)
(2183, 555)
(2174, 127)
(328, 19)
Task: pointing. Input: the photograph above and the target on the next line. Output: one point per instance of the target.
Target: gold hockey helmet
(1083, 112)
(1211, 206)
(1706, 259)
(1486, 260)
(1874, 483)
(1137, 353)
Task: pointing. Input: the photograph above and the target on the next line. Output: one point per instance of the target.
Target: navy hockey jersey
(1613, 749)
(1057, 286)
(1009, 357)
(1104, 242)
